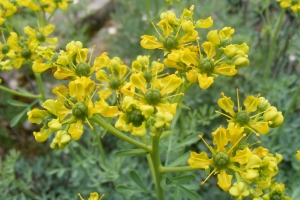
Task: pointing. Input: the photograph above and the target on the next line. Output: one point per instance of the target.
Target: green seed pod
(221, 160)
(148, 77)
(263, 104)
(26, 53)
(5, 49)
(82, 69)
(40, 37)
(207, 65)
(55, 57)
(79, 110)
(152, 97)
(170, 42)
(136, 118)
(68, 104)
(114, 84)
(242, 117)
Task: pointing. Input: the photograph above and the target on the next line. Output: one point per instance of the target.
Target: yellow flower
(171, 26)
(222, 38)
(293, 4)
(298, 154)
(7, 9)
(51, 5)
(40, 36)
(242, 118)
(93, 196)
(222, 158)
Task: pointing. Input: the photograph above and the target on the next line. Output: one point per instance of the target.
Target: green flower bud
(114, 84)
(148, 76)
(82, 69)
(40, 37)
(26, 53)
(242, 117)
(152, 97)
(68, 104)
(275, 196)
(5, 49)
(207, 65)
(136, 117)
(221, 160)
(79, 110)
(263, 104)
(170, 42)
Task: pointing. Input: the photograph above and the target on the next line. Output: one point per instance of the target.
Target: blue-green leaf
(187, 177)
(181, 160)
(187, 141)
(17, 118)
(137, 179)
(131, 152)
(17, 103)
(190, 194)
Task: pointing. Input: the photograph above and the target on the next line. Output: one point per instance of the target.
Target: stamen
(209, 147)
(260, 113)
(202, 183)
(235, 168)
(161, 37)
(223, 114)
(80, 196)
(252, 103)
(178, 30)
(257, 142)
(181, 94)
(3, 37)
(251, 129)
(233, 146)
(91, 55)
(87, 121)
(238, 99)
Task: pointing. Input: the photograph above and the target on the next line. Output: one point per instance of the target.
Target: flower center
(221, 160)
(5, 49)
(153, 96)
(26, 53)
(67, 103)
(170, 42)
(82, 69)
(79, 110)
(136, 118)
(275, 197)
(207, 65)
(242, 117)
(114, 84)
(40, 37)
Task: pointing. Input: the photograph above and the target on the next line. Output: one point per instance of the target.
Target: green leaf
(131, 152)
(163, 184)
(177, 194)
(187, 177)
(137, 179)
(190, 194)
(184, 106)
(126, 189)
(17, 103)
(179, 161)
(187, 141)
(17, 118)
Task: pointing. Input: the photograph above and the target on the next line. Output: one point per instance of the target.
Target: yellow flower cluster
(254, 168)
(293, 4)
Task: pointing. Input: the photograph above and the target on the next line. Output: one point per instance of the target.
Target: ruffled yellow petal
(139, 131)
(150, 42)
(298, 155)
(209, 49)
(227, 105)
(200, 160)
(36, 116)
(204, 81)
(105, 110)
(224, 180)
(47, 30)
(138, 80)
(261, 127)
(241, 156)
(100, 62)
(213, 37)
(76, 130)
(169, 84)
(220, 139)
(42, 135)
(204, 23)
(192, 76)
(54, 125)
(226, 69)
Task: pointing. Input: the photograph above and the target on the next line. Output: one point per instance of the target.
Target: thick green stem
(272, 45)
(177, 169)
(119, 134)
(183, 90)
(39, 82)
(155, 157)
(150, 163)
(32, 96)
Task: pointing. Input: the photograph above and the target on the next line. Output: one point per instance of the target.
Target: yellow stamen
(202, 183)
(260, 113)
(238, 99)
(178, 31)
(223, 114)
(3, 37)
(251, 129)
(182, 94)
(87, 121)
(209, 147)
(91, 55)
(80, 196)
(233, 146)
(161, 37)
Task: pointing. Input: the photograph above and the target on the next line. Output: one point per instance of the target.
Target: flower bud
(147, 76)
(242, 117)
(274, 116)
(263, 104)
(136, 117)
(187, 25)
(114, 83)
(82, 69)
(170, 42)
(61, 140)
(5, 49)
(42, 135)
(40, 37)
(239, 189)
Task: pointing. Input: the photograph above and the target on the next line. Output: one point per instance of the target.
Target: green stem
(157, 166)
(119, 134)
(39, 82)
(177, 169)
(150, 163)
(32, 96)
(99, 145)
(272, 45)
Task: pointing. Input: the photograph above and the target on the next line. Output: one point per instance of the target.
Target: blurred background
(31, 170)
